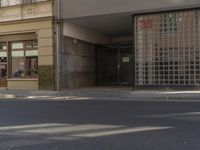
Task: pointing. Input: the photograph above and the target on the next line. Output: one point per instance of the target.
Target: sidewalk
(102, 93)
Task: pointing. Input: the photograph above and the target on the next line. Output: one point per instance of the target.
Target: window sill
(22, 79)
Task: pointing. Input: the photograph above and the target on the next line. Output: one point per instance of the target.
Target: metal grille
(167, 48)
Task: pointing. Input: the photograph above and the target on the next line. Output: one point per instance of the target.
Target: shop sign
(125, 59)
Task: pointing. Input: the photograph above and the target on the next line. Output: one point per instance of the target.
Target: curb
(100, 95)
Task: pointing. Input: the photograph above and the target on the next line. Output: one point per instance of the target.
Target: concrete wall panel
(80, 8)
(78, 64)
(85, 34)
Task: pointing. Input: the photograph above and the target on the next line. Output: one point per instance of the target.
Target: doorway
(125, 67)
(114, 64)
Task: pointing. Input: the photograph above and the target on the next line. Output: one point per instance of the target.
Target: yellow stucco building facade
(27, 46)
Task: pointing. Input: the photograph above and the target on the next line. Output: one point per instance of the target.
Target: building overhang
(113, 19)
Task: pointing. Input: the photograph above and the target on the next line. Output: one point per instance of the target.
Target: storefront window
(31, 45)
(24, 59)
(3, 60)
(4, 3)
(10, 2)
(18, 60)
(3, 46)
(31, 56)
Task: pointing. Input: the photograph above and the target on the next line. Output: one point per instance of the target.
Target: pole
(58, 43)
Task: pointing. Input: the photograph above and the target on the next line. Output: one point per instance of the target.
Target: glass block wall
(167, 48)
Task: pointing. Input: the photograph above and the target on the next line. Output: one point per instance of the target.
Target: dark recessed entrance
(114, 64)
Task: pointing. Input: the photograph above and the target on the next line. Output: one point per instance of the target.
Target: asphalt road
(99, 125)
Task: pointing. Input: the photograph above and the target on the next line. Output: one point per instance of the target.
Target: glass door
(126, 69)
(3, 64)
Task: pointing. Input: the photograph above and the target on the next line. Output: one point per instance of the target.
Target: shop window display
(3, 60)
(24, 59)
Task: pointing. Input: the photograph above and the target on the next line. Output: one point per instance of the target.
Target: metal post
(118, 66)
(58, 43)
